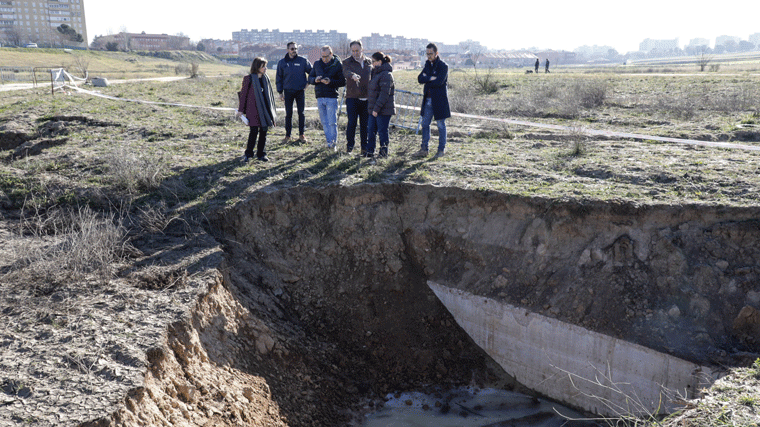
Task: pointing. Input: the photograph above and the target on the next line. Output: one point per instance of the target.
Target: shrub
(590, 94)
(486, 83)
(134, 173)
(69, 245)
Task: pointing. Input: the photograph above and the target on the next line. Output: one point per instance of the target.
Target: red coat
(254, 104)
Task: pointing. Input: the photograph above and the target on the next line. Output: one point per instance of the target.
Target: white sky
(497, 24)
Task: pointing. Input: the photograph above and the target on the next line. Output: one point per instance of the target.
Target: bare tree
(343, 49)
(125, 35)
(13, 37)
(82, 64)
(703, 58)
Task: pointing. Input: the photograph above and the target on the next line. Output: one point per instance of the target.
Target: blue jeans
(378, 126)
(427, 117)
(328, 115)
(356, 110)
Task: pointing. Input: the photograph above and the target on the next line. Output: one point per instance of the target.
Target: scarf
(267, 114)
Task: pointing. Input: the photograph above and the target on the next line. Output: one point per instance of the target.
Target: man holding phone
(327, 76)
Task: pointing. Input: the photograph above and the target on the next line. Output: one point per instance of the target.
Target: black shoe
(349, 149)
(263, 159)
(383, 152)
(246, 158)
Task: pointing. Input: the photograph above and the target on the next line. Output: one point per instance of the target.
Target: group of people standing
(370, 98)
(539, 63)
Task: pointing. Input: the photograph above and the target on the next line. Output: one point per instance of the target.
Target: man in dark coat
(356, 70)
(292, 71)
(547, 65)
(537, 64)
(327, 76)
(435, 100)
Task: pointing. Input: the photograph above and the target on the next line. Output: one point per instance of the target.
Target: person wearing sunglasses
(291, 82)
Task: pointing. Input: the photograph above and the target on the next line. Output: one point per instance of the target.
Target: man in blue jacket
(292, 71)
(435, 100)
(327, 76)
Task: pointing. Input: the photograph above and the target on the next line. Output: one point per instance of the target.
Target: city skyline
(558, 25)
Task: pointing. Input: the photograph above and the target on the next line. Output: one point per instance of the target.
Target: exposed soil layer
(679, 279)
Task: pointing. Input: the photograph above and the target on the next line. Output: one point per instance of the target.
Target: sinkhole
(355, 294)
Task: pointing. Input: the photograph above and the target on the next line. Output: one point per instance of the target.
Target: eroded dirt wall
(679, 279)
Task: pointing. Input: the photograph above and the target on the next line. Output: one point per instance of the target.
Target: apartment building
(23, 22)
(142, 41)
(699, 42)
(649, 45)
(280, 38)
(755, 39)
(388, 42)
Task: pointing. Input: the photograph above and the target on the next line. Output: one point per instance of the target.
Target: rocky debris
(747, 326)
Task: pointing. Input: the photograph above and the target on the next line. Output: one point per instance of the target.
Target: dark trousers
(378, 128)
(261, 133)
(356, 110)
(300, 98)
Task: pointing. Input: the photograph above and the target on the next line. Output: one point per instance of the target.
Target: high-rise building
(649, 45)
(725, 39)
(755, 39)
(305, 38)
(23, 22)
(699, 42)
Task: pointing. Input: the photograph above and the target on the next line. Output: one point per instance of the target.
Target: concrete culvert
(326, 302)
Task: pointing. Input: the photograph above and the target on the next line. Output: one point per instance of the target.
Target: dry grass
(114, 65)
(133, 172)
(732, 401)
(65, 246)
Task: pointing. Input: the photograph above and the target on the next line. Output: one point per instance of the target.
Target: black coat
(437, 89)
(332, 70)
(382, 91)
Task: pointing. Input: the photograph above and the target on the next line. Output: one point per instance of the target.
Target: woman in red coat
(256, 105)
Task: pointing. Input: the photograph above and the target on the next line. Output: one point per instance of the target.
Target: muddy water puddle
(472, 407)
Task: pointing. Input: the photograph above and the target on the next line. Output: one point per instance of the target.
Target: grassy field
(141, 166)
(482, 154)
(115, 65)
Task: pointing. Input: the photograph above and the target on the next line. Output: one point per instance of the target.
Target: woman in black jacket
(256, 105)
(380, 103)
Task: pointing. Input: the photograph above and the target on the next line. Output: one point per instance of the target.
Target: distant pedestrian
(256, 104)
(538, 63)
(380, 104)
(547, 65)
(357, 70)
(291, 80)
(327, 76)
(435, 100)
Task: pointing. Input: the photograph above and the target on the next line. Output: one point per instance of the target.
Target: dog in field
(528, 71)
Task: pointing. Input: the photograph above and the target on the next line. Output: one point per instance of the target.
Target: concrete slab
(568, 363)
